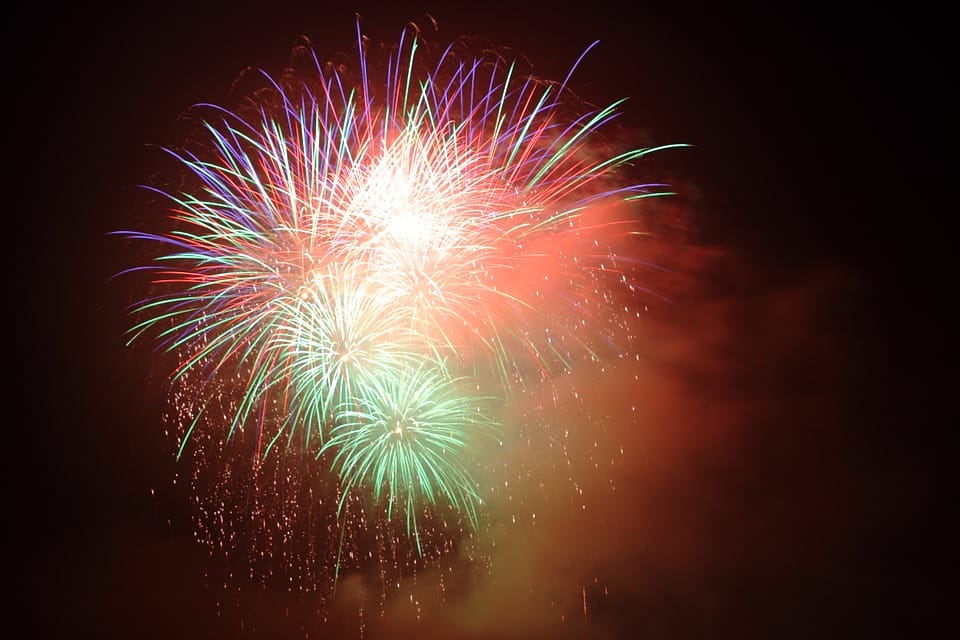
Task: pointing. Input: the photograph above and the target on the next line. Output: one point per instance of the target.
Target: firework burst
(364, 262)
(408, 438)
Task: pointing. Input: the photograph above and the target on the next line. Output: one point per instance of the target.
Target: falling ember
(363, 272)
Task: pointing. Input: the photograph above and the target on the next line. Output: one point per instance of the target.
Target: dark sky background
(794, 478)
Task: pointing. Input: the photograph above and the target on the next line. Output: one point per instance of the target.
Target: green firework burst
(411, 439)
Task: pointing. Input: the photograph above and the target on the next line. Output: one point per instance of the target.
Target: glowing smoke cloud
(362, 265)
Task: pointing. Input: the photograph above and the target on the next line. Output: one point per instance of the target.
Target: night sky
(789, 478)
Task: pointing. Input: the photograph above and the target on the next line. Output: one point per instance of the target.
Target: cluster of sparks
(368, 267)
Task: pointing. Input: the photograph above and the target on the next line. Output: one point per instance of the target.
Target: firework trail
(365, 267)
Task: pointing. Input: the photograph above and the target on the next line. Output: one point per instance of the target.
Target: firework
(409, 438)
(355, 253)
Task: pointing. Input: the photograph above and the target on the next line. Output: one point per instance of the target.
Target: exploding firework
(409, 434)
(365, 267)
